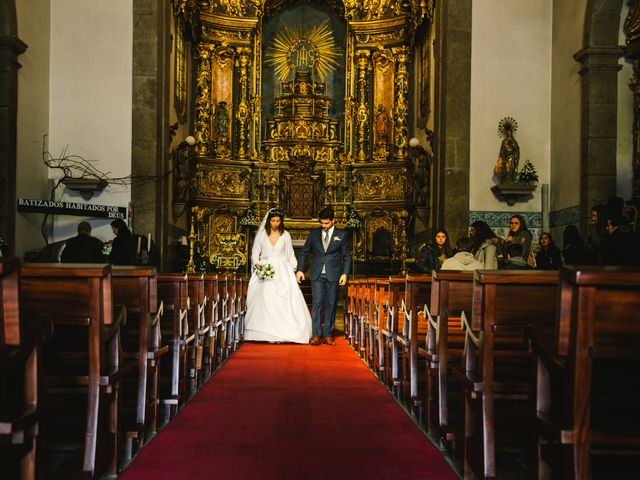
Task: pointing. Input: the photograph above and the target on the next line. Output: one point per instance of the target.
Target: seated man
(83, 248)
(463, 259)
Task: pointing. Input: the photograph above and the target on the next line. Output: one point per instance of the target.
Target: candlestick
(149, 242)
(138, 250)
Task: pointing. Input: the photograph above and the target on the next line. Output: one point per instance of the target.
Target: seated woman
(434, 253)
(518, 233)
(548, 257)
(514, 258)
(122, 249)
(484, 248)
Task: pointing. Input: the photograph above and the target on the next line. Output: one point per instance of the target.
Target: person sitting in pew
(83, 248)
(463, 259)
(515, 261)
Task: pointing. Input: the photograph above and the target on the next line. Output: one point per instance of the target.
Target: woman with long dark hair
(518, 233)
(276, 308)
(435, 252)
(548, 257)
(484, 249)
(122, 249)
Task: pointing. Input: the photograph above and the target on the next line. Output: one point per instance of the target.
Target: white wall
(33, 117)
(568, 27)
(90, 96)
(624, 163)
(510, 76)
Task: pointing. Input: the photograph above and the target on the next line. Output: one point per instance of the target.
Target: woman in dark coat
(434, 253)
(122, 249)
(549, 256)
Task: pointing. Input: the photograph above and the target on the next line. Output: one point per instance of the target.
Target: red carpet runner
(291, 412)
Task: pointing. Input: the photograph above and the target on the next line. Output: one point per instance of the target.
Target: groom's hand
(299, 276)
(343, 280)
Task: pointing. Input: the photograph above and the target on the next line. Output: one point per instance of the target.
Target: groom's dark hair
(326, 213)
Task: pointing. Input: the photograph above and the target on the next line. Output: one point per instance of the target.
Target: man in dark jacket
(83, 248)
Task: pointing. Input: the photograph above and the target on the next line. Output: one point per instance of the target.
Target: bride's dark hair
(275, 213)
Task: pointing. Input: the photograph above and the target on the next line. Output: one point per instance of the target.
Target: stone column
(453, 116)
(599, 74)
(10, 47)
(150, 132)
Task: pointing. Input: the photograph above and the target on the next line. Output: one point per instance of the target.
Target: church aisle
(291, 412)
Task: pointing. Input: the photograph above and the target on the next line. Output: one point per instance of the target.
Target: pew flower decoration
(266, 272)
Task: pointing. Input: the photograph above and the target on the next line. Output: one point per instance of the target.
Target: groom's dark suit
(336, 261)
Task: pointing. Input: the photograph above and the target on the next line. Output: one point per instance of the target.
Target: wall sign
(58, 207)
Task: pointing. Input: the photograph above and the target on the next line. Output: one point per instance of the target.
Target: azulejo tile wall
(558, 220)
(499, 221)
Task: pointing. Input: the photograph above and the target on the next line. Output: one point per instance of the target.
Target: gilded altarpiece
(300, 105)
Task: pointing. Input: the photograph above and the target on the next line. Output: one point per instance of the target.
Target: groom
(329, 269)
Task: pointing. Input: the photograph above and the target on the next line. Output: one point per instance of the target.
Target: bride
(276, 309)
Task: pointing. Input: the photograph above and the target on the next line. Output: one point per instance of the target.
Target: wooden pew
(369, 323)
(212, 292)
(394, 325)
(379, 322)
(241, 308)
(451, 295)
(199, 327)
(587, 389)
(496, 366)
(136, 289)
(349, 313)
(173, 293)
(22, 404)
(417, 294)
(82, 360)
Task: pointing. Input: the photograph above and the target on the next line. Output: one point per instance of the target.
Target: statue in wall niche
(509, 156)
(222, 121)
(382, 125)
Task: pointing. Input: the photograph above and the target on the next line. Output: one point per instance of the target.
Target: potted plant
(528, 174)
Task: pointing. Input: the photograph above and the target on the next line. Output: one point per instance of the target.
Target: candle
(149, 242)
(138, 250)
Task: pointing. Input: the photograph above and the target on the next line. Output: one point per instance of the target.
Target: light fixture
(189, 141)
(414, 142)
(85, 186)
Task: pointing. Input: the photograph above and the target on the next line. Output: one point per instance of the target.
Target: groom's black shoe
(315, 341)
(330, 341)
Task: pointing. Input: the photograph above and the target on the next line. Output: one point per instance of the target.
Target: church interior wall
(624, 151)
(510, 76)
(568, 27)
(91, 98)
(34, 18)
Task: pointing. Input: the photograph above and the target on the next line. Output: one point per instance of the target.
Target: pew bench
(82, 360)
(496, 367)
(586, 392)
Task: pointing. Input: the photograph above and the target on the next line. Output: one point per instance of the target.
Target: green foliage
(528, 173)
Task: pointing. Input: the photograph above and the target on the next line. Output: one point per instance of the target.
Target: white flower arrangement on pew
(266, 272)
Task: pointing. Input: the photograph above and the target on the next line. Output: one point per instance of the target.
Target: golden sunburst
(299, 46)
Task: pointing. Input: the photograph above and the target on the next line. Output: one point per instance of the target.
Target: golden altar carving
(308, 147)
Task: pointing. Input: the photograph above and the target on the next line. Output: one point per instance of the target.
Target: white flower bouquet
(266, 272)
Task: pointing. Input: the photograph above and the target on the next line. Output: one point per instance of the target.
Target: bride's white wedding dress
(276, 309)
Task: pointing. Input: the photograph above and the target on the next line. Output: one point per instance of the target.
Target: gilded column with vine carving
(256, 98)
(362, 109)
(202, 122)
(242, 114)
(401, 111)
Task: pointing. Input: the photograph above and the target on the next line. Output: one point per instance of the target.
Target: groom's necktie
(325, 240)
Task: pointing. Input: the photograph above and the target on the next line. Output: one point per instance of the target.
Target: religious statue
(222, 121)
(382, 125)
(507, 165)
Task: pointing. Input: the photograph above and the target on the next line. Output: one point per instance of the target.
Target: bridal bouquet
(266, 272)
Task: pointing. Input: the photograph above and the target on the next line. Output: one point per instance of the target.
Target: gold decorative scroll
(381, 186)
(221, 183)
(242, 115)
(372, 9)
(362, 113)
(234, 8)
(632, 23)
